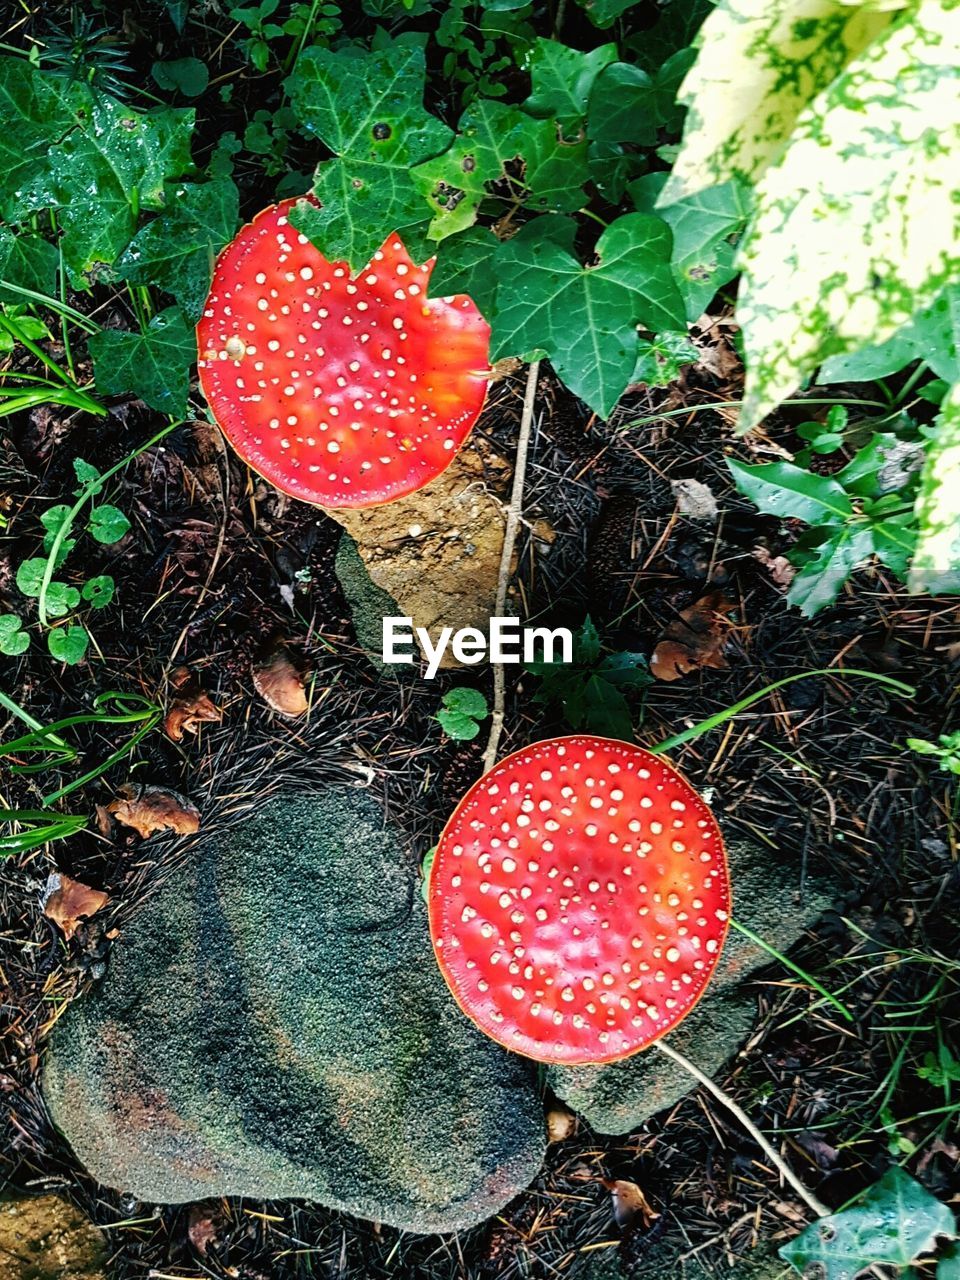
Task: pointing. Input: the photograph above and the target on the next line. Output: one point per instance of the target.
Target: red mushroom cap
(579, 900)
(344, 392)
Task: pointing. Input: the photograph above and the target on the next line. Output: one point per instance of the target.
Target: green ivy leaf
(468, 702)
(893, 1223)
(660, 359)
(107, 524)
(706, 229)
(562, 79)
(154, 365)
(36, 111)
(936, 564)
(672, 33)
(368, 109)
(106, 170)
(13, 640)
(623, 107)
(68, 644)
(177, 250)
(29, 261)
(465, 264)
(604, 13)
(99, 591)
(497, 144)
(784, 490)
(856, 225)
(585, 318)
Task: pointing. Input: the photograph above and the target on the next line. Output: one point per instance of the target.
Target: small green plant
(823, 438)
(35, 827)
(941, 1069)
(865, 509)
(106, 524)
(462, 713)
(86, 51)
(44, 747)
(426, 866)
(895, 1222)
(56, 599)
(53, 751)
(591, 690)
(255, 18)
(946, 749)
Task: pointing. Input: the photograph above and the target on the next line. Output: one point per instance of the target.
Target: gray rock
(274, 1025)
(369, 605)
(766, 897)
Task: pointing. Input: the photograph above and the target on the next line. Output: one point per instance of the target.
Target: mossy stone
(274, 1025)
(369, 605)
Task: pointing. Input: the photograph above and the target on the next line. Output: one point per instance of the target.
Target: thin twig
(809, 1199)
(514, 515)
(223, 475)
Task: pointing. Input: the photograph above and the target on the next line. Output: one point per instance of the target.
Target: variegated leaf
(936, 562)
(759, 63)
(857, 225)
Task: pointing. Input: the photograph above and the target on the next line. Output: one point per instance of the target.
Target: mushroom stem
(514, 513)
(809, 1199)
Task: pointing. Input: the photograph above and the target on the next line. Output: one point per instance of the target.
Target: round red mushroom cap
(343, 392)
(579, 900)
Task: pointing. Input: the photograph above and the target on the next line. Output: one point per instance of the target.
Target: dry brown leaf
(630, 1206)
(279, 683)
(695, 499)
(71, 901)
(202, 1229)
(779, 567)
(190, 708)
(560, 1125)
(694, 639)
(150, 809)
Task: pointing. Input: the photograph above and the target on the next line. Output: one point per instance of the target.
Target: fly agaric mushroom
(579, 900)
(343, 392)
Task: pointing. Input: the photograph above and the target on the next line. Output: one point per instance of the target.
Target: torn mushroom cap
(579, 900)
(343, 392)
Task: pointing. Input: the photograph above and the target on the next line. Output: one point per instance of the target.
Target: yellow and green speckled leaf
(857, 225)
(936, 562)
(760, 62)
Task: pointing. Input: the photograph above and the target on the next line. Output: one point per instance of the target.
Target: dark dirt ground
(821, 767)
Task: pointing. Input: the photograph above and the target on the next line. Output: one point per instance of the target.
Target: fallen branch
(514, 514)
